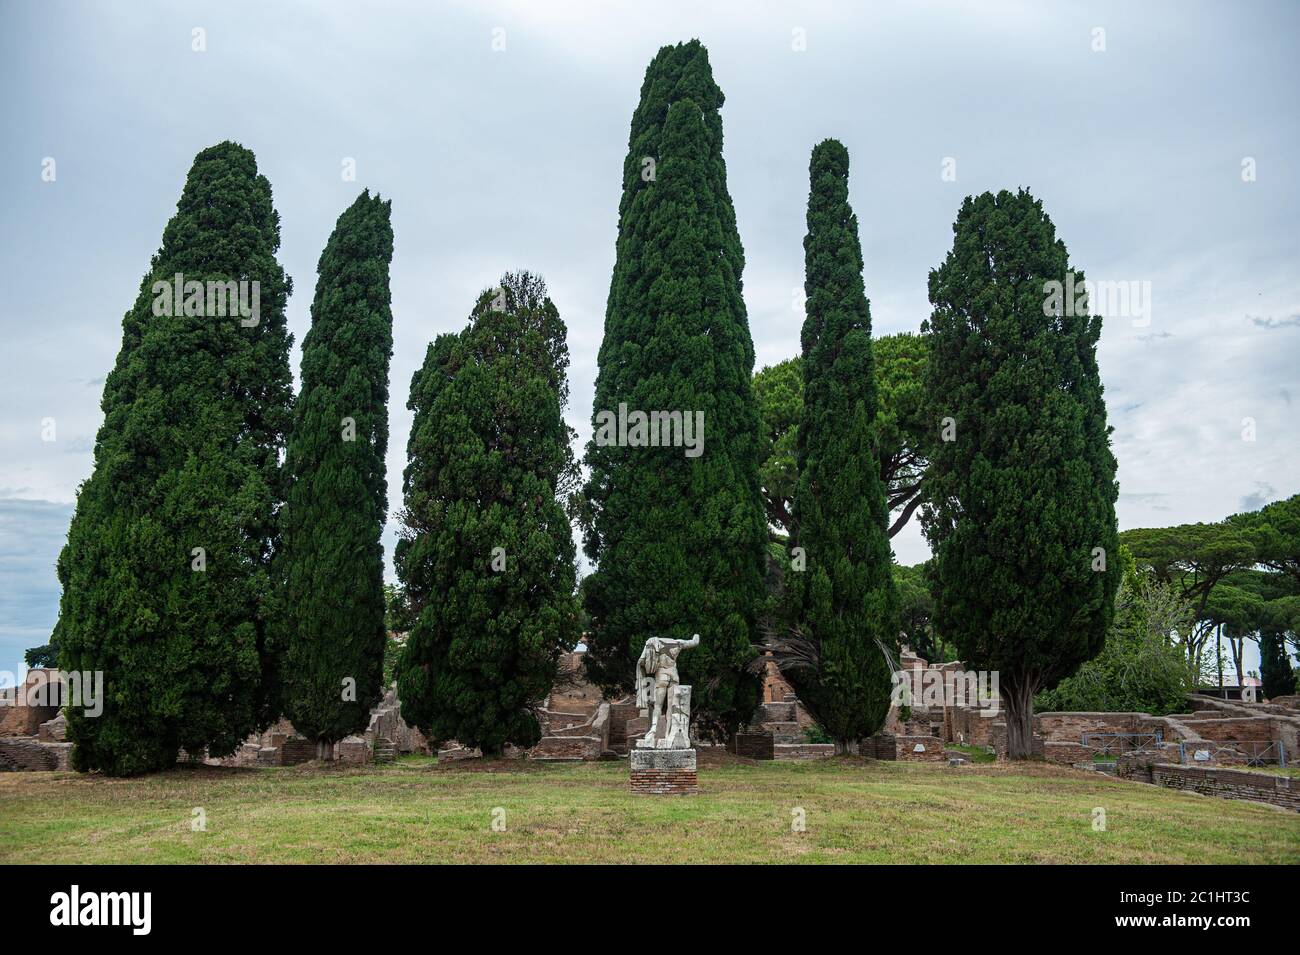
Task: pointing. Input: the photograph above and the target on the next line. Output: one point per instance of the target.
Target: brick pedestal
(664, 772)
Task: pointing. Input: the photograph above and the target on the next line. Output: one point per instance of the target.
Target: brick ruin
(1213, 731)
(579, 724)
(782, 718)
(387, 737)
(32, 738)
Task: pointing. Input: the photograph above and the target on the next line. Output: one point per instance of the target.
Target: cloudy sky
(1139, 126)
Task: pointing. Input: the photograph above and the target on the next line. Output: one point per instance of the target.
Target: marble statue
(659, 691)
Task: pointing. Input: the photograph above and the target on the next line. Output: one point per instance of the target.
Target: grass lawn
(976, 754)
(1292, 771)
(417, 811)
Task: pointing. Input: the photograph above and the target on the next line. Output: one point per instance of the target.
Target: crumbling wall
(1230, 784)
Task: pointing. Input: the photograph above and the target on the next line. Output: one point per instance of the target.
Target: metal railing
(1115, 744)
(1252, 752)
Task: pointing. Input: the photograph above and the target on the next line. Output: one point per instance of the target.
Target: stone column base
(664, 772)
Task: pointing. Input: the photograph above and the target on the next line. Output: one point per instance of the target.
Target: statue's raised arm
(692, 642)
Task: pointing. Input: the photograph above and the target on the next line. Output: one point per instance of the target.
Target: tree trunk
(324, 750)
(846, 747)
(1018, 700)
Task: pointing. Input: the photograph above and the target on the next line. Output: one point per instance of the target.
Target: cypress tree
(166, 572)
(1022, 487)
(333, 558)
(678, 541)
(488, 555)
(1275, 664)
(845, 602)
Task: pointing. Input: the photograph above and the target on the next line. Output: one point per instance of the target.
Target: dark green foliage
(1194, 559)
(488, 454)
(338, 499)
(844, 603)
(397, 615)
(1241, 576)
(903, 434)
(779, 391)
(678, 541)
(1023, 496)
(1275, 532)
(195, 410)
(42, 656)
(1140, 668)
(902, 430)
(916, 612)
(1275, 665)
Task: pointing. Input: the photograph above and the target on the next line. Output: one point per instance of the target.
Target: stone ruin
(780, 726)
(33, 738)
(578, 724)
(387, 737)
(1213, 732)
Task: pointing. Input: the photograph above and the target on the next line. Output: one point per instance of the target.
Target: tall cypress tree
(488, 554)
(1275, 663)
(845, 602)
(678, 540)
(338, 500)
(1022, 486)
(166, 573)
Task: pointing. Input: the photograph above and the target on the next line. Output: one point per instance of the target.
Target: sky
(1161, 137)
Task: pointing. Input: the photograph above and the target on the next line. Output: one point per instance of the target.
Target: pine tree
(166, 572)
(844, 602)
(338, 500)
(1021, 482)
(678, 540)
(488, 555)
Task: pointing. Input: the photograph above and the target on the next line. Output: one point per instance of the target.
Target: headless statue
(656, 676)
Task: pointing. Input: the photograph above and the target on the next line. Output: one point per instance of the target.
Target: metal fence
(1251, 752)
(1115, 744)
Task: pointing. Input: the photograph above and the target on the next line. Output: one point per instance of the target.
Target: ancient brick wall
(803, 750)
(751, 745)
(879, 746)
(1230, 784)
(567, 748)
(18, 754)
(665, 782)
(965, 725)
(297, 749)
(1136, 766)
(1067, 754)
(1070, 727)
(16, 720)
(931, 751)
(1247, 729)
